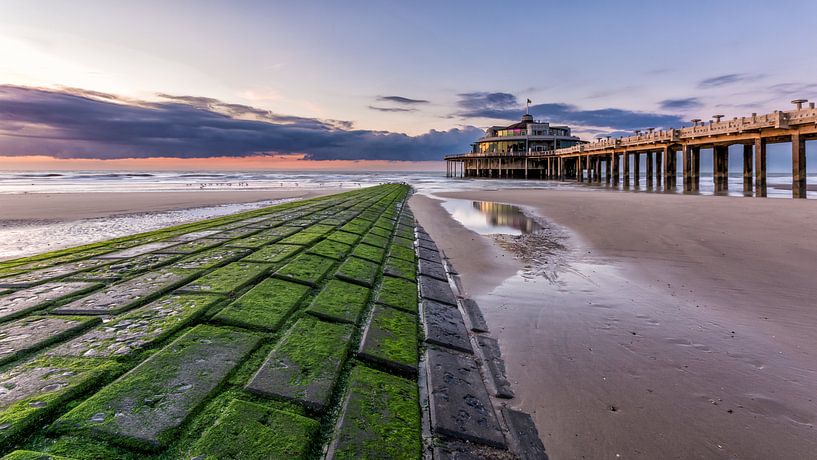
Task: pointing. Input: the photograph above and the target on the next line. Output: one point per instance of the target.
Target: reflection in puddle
(488, 217)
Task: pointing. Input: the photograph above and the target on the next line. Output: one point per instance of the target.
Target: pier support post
(608, 169)
(649, 168)
(561, 171)
(686, 165)
(696, 168)
(636, 170)
(658, 169)
(526, 168)
(669, 167)
(597, 170)
(615, 167)
(720, 167)
(760, 167)
(589, 169)
(748, 159)
(625, 181)
(798, 166)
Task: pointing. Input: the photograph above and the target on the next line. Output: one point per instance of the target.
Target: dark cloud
(391, 109)
(401, 100)
(728, 79)
(76, 124)
(504, 106)
(680, 104)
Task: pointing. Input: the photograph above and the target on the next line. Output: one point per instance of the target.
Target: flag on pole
(530, 101)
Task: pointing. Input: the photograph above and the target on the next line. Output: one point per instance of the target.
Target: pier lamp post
(637, 132)
(799, 103)
(718, 118)
(695, 121)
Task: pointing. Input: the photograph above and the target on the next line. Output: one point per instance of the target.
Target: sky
(269, 83)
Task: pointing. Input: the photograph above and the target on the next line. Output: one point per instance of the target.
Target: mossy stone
(340, 301)
(266, 306)
(398, 293)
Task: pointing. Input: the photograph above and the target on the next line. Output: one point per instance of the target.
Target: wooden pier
(613, 160)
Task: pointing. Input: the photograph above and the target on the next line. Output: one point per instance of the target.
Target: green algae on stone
(381, 232)
(357, 225)
(400, 268)
(19, 303)
(126, 268)
(306, 268)
(381, 418)
(266, 306)
(34, 389)
(306, 364)
(228, 278)
(139, 328)
(340, 301)
(273, 254)
(145, 407)
(391, 340)
(31, 455)
(250, 431)
(344, 237)
(331, 249)
(375, 240)
(401, 252)
(358, 271)
(398, 293)
(371, 253)
(211, 258)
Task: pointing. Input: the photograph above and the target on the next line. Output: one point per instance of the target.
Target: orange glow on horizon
(280, 162)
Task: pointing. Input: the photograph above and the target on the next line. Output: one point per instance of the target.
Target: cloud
(504, 106)
(401, 100)
(391, 109)
(728, 79)
(680, 104)
(77, 124)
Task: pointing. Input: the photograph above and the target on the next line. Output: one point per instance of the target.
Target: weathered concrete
(474, 314)
(35, 332)
(444, 326)
(43, 275)
(138, 250)
(524, 435)
(434, 289)
(23, 301)
(432, 269)
(496, 366)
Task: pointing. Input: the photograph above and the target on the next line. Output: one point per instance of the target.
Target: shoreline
(666, 337)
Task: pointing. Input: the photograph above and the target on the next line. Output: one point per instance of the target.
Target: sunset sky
(362, 80)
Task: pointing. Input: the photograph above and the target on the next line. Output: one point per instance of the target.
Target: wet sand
(679, 326)
(60, 207)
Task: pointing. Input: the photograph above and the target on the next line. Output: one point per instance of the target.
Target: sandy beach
(677, 327)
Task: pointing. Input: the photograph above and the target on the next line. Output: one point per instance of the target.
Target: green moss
(358, 271)
(404, 243)
(229, 278)
(274, 253)
(306, 268)
(304, 238)
(35, 389)
(266, 306)
(401, 252)
(340, 301)
(344, 237)
(391, 340)
(371, 253)
(357, 225)
(255, 241)
(400, 268)
(381, 232)
(375, 240)
(250, 431)
(35, 332)
(210, 258)
(331, 249)
(30, 455)
(398, 293)
(382, 418)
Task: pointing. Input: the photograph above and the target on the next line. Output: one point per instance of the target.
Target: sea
(21, 238)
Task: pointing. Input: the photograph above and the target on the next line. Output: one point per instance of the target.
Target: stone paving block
(139, 328)
(358, 271)
(125, 295)
(283, 231)
(191, 247)
(459, 403)
(453, 449)
(368, 252)
(427, 244)
(432, 269)
(391, 340)
(126, 268)
(228, 279)
(187, 237)
(496, 366)
(400, 268)
(273, 253)
(444, 326)
(306, 363)
(35, 332)
(211, 258)
(434, 289)
(144, 407)
(474, 314)
(250, 431)
(404, 243)
(31, 455)
(381, 418)
(306, 268)
(398, 293)
(429, 254)
(375, 240)
(331, 249)
(20, 302)
(266, 306)
(340, 301)
(381, 232)
(42, 275)
(138, 250)
(255, 241)
(523, 431)
(235, 233)
(36, 388)
(401, 252)
(303, 238)
(344, 237)
(358, 225)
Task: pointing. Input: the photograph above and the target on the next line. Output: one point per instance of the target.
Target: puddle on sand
(488, 217)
